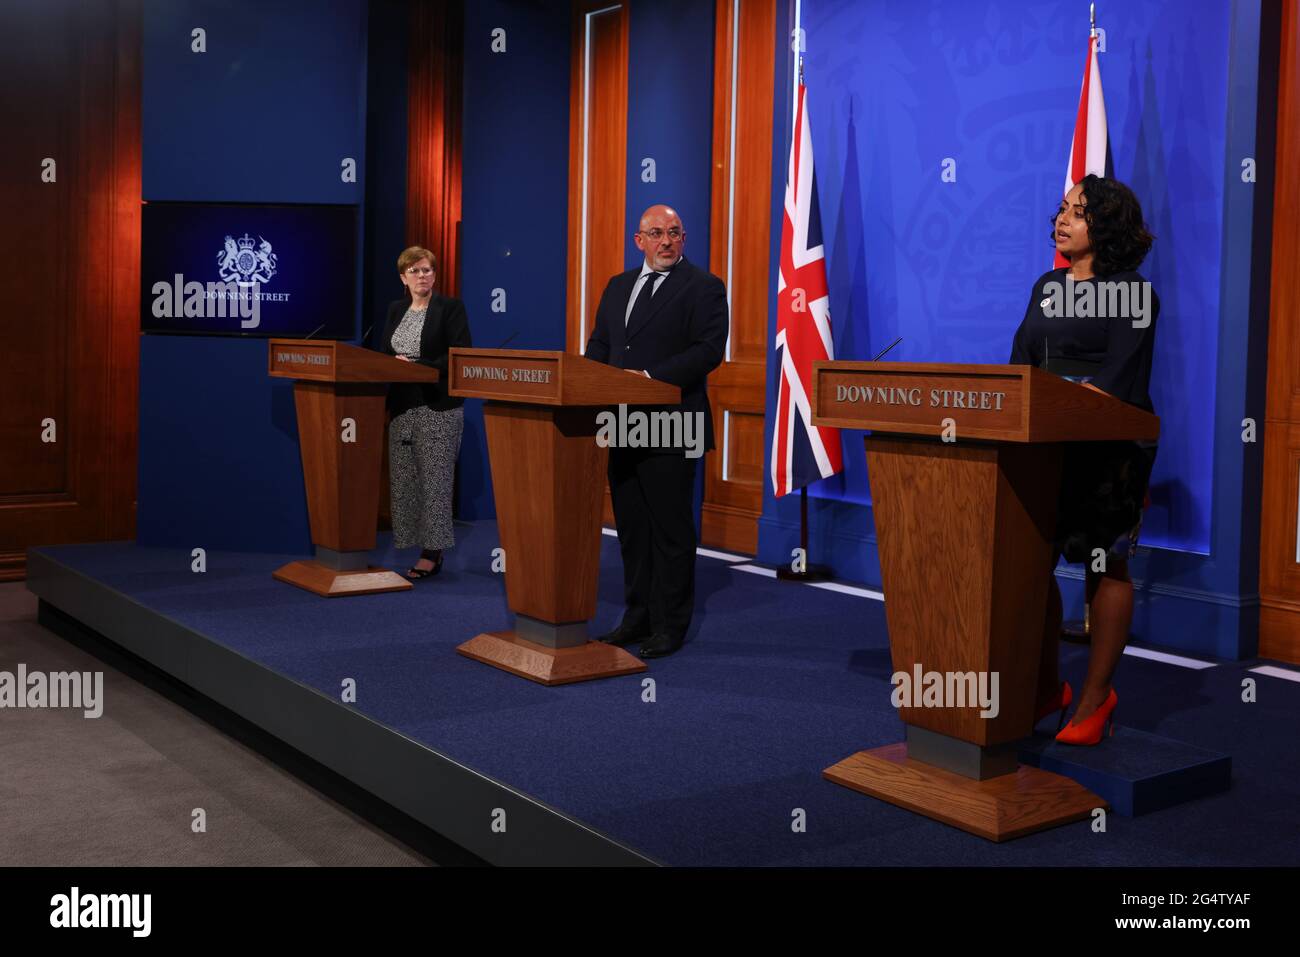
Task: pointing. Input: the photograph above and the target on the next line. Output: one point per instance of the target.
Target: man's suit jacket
(680, 341)
(445, 325)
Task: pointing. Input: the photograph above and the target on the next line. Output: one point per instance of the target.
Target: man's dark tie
(642, 305)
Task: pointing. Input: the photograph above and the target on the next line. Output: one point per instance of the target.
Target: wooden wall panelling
(597, 166)
(744, 87)
(1279, 551)
(70, 84)
(597, 160)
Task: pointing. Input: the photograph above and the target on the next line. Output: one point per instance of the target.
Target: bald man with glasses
(665, 319)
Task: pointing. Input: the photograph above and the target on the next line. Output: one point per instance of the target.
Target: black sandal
(415, 574)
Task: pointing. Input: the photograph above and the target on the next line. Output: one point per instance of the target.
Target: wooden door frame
(744, 88)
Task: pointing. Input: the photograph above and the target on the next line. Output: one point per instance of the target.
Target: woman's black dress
(1103, 484)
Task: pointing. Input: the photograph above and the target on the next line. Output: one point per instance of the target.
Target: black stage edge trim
(399, 784)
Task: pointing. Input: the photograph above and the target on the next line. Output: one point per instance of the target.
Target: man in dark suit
(667, 320)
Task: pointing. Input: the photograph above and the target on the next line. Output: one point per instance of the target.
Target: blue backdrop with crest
(895, 90)
(949, 265)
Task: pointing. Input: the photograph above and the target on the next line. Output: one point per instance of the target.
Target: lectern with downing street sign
(339, 391)
(964, 463)
(548, 477)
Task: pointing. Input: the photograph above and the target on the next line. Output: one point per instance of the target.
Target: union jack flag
(801, 452)
(1090, 147)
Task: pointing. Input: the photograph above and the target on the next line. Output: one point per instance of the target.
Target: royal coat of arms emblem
(245, 261)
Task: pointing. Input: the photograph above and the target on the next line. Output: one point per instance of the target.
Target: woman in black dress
(1102, 337)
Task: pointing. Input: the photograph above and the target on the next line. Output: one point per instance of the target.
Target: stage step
(1134, 771)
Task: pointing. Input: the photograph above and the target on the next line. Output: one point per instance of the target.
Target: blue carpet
(776, 682)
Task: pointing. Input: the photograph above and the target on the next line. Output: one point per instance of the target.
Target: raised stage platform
(777, 681)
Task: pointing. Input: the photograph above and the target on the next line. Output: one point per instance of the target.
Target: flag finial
(1092, 19)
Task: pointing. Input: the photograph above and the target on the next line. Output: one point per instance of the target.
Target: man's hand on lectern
(405, 358)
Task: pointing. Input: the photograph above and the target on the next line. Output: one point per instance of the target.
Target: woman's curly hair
(1119, 237)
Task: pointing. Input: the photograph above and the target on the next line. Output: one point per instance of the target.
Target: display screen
(230, 269)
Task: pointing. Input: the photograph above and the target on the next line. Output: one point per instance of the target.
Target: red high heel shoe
(1064, 695)
(1088, 731)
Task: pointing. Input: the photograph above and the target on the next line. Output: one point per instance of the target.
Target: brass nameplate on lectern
(530, 378)
(340, 363)
(996, 403)
(302, 360)
(549, 378)
(983, 404)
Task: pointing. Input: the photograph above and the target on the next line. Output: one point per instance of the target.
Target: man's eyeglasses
(654, 235)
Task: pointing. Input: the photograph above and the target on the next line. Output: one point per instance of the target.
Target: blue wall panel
(265, 115)
(219, 461)
(515, 205)
(670, 119)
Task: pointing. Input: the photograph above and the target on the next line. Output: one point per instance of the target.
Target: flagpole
(810, 572)
(1079, 630)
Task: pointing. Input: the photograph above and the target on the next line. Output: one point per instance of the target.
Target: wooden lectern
(548, 476)
(334, 382)
(965, 531)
